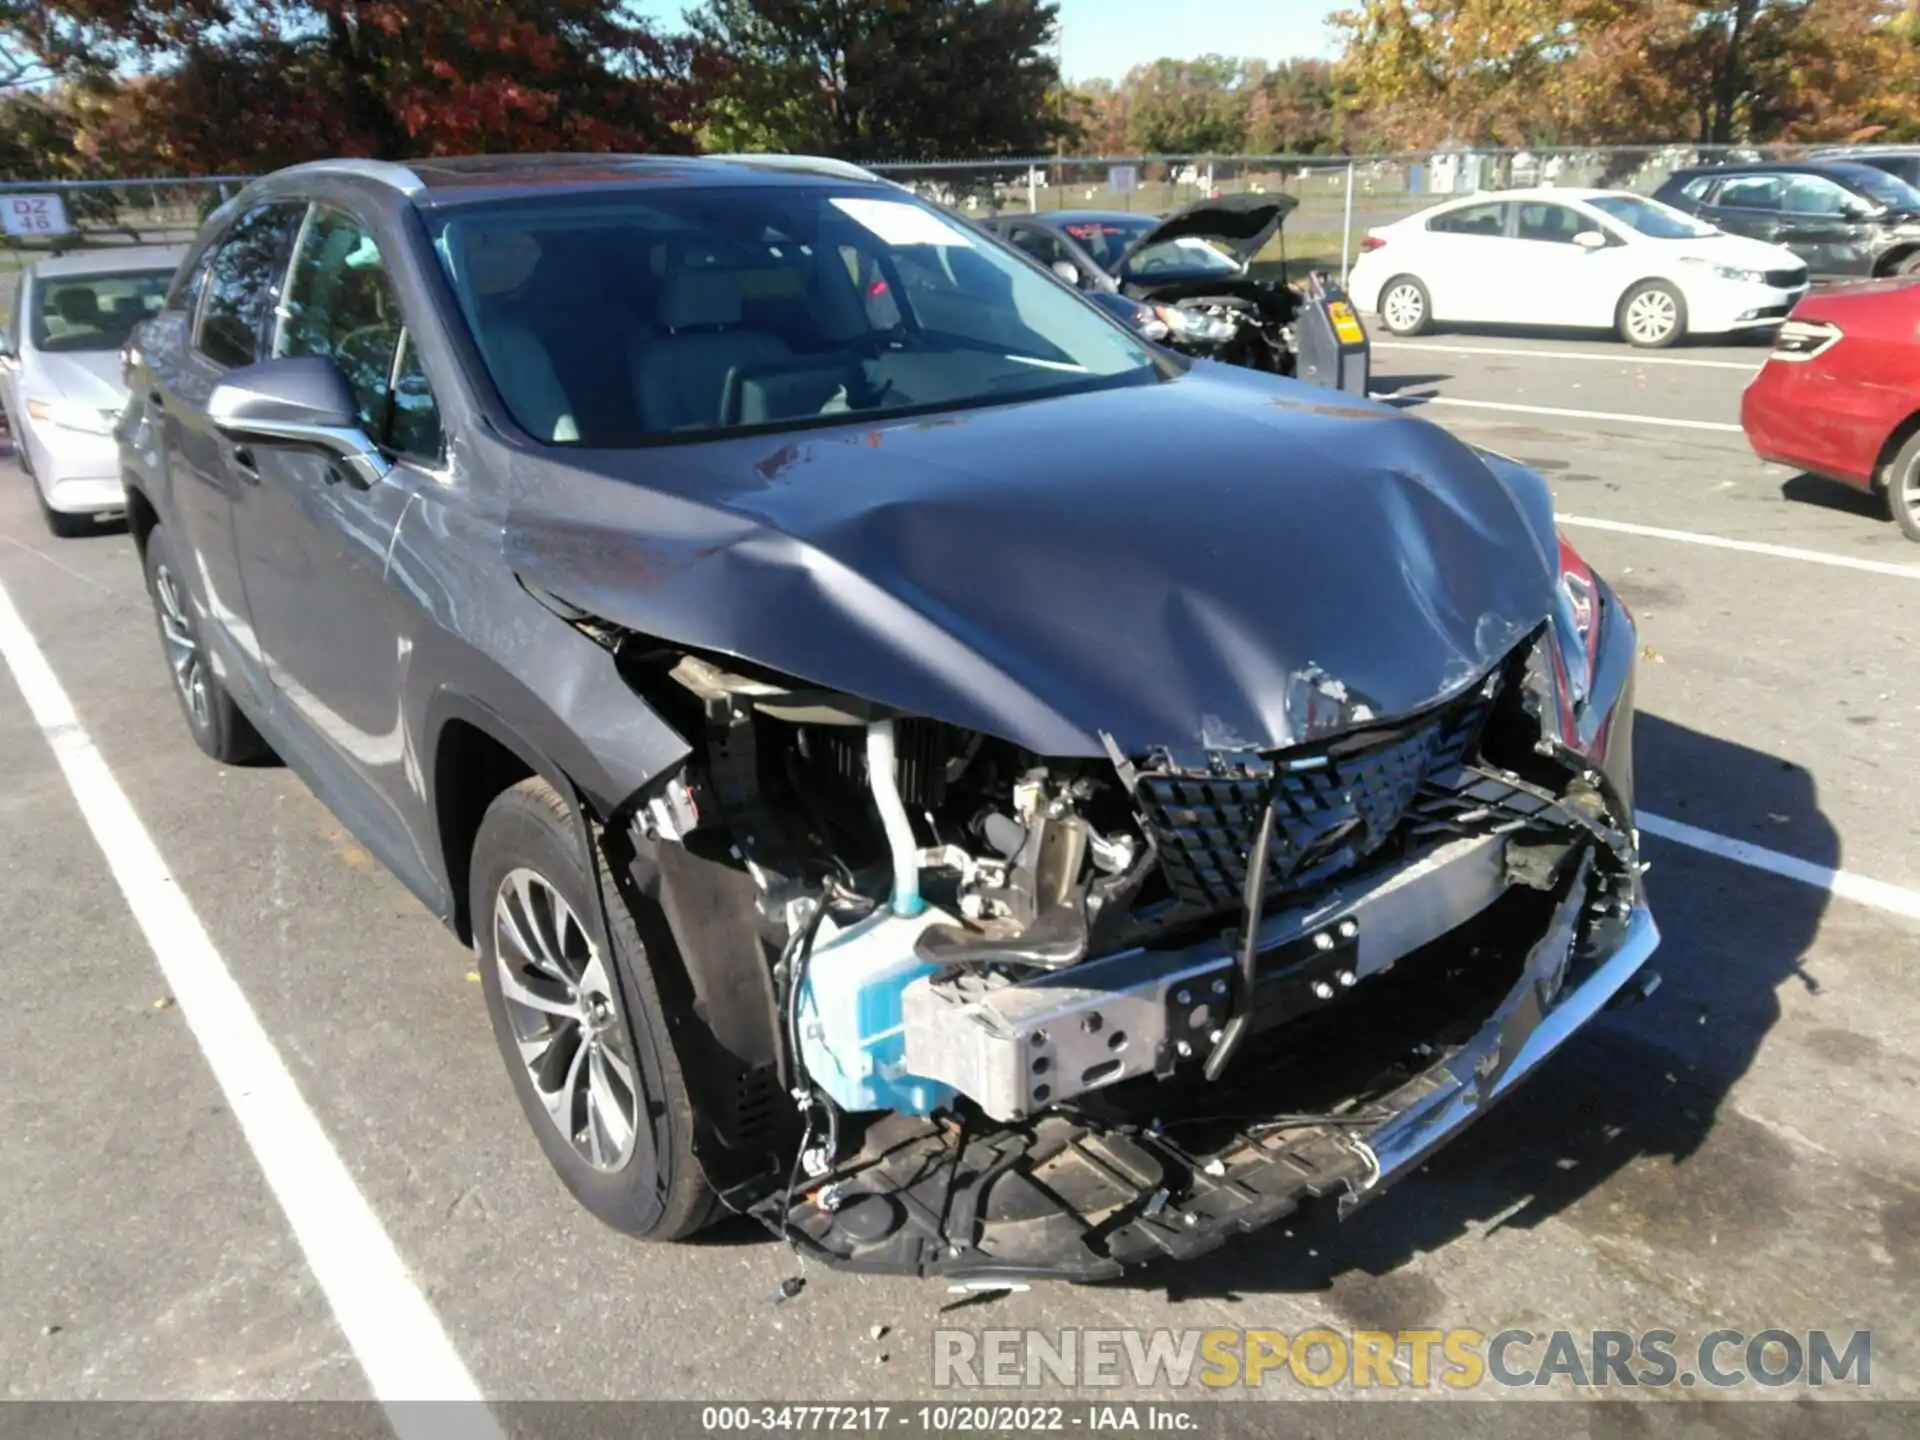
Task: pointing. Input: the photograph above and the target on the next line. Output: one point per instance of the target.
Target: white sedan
(1601, 259)
(60, 381)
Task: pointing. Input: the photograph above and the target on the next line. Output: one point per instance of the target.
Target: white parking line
(1719, 426)
(1623, 357)
(1749, 547)
(1863, 890)
(387, 1321)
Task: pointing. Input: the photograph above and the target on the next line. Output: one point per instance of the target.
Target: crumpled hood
(1221, 560)
(87, 377)
(1242, 223)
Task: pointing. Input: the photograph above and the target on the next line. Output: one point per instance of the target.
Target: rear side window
(1489, 219)
(1039, 244)
(1697, 188)
(1750, 192)
(241, 282)
(340, 304)
(1901, 167)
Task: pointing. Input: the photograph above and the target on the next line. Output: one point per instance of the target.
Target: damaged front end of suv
(1048, 997)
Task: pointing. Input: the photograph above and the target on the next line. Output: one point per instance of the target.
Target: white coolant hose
(893, 818)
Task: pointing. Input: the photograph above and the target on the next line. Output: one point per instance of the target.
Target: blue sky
(1109, 37)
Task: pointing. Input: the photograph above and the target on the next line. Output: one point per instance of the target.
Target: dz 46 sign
(30, 215)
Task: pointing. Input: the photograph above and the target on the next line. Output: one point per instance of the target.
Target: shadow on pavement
(1383, 387)
(1832, 495)
(1609, 1134)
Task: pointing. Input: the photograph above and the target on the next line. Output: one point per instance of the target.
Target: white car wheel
(1404, 306)
(1653, 316)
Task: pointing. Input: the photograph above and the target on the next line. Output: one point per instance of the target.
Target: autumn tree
(1531, 72)
(198, 85)
(876, 79)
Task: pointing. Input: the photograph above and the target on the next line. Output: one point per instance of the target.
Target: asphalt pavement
(1736, 1152)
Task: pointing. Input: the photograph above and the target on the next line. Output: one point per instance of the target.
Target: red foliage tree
(242, 85)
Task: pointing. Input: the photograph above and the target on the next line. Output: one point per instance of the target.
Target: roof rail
(386, 172)
(817, 164)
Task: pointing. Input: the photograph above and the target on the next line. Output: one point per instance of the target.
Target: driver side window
(340, 304)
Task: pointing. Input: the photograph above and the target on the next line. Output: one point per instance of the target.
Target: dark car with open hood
(916, 765)
(1191, 269)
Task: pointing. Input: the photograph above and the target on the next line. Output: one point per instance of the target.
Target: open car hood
(1243, 223)
(1059, 571)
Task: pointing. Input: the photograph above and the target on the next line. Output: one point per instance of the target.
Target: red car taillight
(1371, 243)
(1801, 340)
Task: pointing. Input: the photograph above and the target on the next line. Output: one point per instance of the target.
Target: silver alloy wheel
(1403, 308)
(183, 650)
(565, 1013)
(1651, 317)
(1907, 492)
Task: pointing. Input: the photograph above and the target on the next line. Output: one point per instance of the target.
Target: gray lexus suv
(916, 763)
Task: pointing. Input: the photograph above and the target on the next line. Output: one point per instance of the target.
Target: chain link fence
(1341, 197)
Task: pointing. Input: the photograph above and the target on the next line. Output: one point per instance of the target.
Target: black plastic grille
(1333, 806)
(1787, 279)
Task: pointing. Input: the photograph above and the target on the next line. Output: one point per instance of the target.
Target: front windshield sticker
(896, 223)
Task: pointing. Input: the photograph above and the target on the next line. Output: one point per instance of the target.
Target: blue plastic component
(852, 1035)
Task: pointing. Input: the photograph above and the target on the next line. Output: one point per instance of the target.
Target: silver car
(60, 373)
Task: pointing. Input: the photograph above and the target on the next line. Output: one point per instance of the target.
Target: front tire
(214, 721)
(1652, 315)
(1903, 488)
(1405, 307)
(579, 1020)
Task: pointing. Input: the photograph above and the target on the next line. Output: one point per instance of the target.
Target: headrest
(700, 297)
(77, 305)
(499, 262)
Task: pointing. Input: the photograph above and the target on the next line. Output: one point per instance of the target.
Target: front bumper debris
(1082, 1193)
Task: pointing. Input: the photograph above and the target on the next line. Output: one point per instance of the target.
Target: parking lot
(1736, 1152)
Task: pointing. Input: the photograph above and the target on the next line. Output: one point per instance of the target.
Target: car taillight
(1801, 340)
(1371, 243)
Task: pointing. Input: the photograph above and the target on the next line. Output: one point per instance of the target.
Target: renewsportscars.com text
(1460, 1359)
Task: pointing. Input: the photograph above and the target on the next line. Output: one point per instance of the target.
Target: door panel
(1459, 259)
(313, 544)
(1818, 222)
(233, 298)
(1550, 280)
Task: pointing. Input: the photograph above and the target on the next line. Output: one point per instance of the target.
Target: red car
(1840, 395)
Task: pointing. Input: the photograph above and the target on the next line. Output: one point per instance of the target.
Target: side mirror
(299, 401)
(1590, 240)
(1067, 271)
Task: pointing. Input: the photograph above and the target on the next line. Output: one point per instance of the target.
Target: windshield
(1650, 217)
(94, 312)
(655, 315)
(1107, 239)
(1883, 188)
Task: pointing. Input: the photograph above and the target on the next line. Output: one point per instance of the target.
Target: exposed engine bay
(1242, 322)
(1044, 1016)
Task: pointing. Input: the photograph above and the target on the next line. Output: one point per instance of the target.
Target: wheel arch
(143, 518)
(717, 992)
(475, 754)
(1890, 447)
(1888, 263)
(1626, 291)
